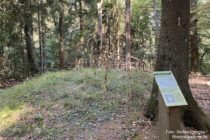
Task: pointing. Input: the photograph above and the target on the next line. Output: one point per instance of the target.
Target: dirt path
(121, 127)
(144, 129)
(200, 87)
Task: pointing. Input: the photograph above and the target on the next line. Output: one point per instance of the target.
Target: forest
(84, 69)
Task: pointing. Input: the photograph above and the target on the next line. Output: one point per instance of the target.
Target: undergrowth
(38, 106)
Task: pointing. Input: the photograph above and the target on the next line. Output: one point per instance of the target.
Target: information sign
(169, 89)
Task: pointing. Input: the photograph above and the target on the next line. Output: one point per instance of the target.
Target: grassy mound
(63, 104)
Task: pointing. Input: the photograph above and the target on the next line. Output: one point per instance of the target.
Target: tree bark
(194, 51)
(24, 69)
(28, 30)
(43, 40)
(61, 40)
(81, 42)
(118, 50)
(40, 41)
(99, 34)
(117, 14)
(128, 35)
(156, 18)
(172, 54)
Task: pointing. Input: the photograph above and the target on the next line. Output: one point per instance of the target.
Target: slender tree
(40, 40)
(61, 39)
(81, 21)
(156, 20)
(99, 34)
(172, 54)
(43, 25)
(118, 6)
(128, 35)
(194, 50)
(28, 30)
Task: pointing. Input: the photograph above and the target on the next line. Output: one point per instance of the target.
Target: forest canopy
(46, 35)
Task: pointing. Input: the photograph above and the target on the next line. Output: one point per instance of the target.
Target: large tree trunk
(61, 40)
(128, 35)
(172, 54)
(194, 51)
(28, 30)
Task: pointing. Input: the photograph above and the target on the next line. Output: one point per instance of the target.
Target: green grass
(75, 98)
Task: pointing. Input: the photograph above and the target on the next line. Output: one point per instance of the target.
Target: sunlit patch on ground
(11, 116)
(208, 83)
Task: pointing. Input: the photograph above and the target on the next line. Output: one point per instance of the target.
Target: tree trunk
(117, 14)
(81, 22)
(24, 68)
(128, 35)
(43, 40)
(40, 42)
(61, 40)
(172, 54)
(156, 18)
(28, 30)
(99, 34)
(81, 42)
(194, 51)
(118, 50)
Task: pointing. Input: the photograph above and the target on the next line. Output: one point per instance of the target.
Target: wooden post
(169, 119)
(171, 101)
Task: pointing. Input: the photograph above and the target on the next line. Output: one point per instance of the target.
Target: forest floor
(81, 105)
(200, 87)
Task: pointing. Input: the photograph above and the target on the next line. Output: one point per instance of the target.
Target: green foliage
(52, 51)
(142, 28)
(79, 44)
(203, 18)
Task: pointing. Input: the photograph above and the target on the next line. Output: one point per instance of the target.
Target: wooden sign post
(171, 101)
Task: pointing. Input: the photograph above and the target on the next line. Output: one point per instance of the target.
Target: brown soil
(144, 129)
